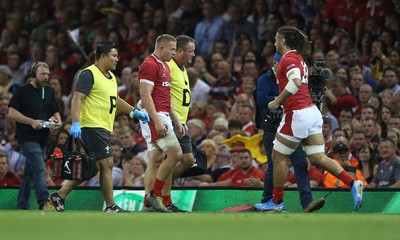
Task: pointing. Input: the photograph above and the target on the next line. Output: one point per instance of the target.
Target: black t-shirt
(37, 104)
(85, 82)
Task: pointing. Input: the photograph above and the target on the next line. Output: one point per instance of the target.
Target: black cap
(340, 147)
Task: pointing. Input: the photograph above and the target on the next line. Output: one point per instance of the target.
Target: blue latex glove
(142, 116)
(76, 130)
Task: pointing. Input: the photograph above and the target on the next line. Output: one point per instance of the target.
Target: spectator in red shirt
(246, 174)
(7, 177)
(339, 96)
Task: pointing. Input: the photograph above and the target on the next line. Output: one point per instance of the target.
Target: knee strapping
(314, 149)
(280, 147)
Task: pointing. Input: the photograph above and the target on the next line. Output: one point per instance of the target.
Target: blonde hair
(208, 143)
(164, 38)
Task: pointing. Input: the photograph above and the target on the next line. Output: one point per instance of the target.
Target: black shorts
(186, 144)
(97, 141)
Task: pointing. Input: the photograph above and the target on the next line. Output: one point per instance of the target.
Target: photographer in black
(267, 90)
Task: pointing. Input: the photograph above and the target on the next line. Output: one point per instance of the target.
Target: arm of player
(21, 118)
(145, 94)
(147, 101)
(291, 88)
(124, 107)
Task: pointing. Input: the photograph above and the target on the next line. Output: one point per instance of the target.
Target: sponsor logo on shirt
(290, 66)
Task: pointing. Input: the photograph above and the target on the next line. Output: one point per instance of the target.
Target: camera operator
(339, 95)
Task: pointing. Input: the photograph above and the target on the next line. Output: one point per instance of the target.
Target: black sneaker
(56, 201)
(114, 208)
(315, 205)
(173, 208)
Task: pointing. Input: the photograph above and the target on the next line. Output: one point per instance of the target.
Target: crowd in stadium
(358, 39)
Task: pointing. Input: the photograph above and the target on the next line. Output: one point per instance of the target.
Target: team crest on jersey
(164, 75)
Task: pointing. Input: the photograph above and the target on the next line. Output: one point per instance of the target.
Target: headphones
(34, 69)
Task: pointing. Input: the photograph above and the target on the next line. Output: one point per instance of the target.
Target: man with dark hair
(368, 111)
(221, 46)
(244, 175)
(359, 140)
(356, 66)
(345, 115)
(364, 94)
(390, 80)
(302, 120)
(94, 104)
(235, 127)
(31, 105)
(341, 154)
(266, 91)
(370, 127)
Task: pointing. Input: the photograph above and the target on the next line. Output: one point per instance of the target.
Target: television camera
(317, 81)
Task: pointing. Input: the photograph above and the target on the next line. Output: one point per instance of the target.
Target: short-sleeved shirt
(226, 175)
(100, 104)
(238, 177)
(10, 179)
(301, 99)
(155, 72)
(180, 91)
(36, 103)
(387, 175)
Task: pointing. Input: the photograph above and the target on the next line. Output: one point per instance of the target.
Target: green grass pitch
(87, 225)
